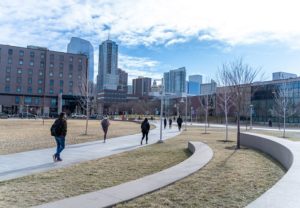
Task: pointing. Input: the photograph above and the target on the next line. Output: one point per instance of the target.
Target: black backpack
(54, 128)
(144, 126)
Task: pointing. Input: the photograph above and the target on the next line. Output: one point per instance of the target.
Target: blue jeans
(60, 142)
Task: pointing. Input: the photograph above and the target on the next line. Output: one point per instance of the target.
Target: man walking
(165, 123)
(59, 131)
(170, 123)
(145, 126)
(179, 122)
(105, 124)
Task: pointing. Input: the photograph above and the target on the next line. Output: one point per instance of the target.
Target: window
(19, 71)
(7, 88)
(51, 74)
(37, 101)
(61, 83)
(28, 100)
(51, 57)
(71, 59)
(70, 92)
(7, 79)
(31, 54)
(10, 51)
(30, 71)
(60, 74)
(40, 91)
(79, 77)
(21, 53)
(53, 101)
(8, 69)
(9, 60)
(29, 90)
(41, 73)
(80, 60)
(70, 67)
(61, 58)
(17, 99)
(31, 63)
(70, 83)
(40, 81)
(18, 89)
(79, 67)
(51, 91)
(51, 65)
(51, 82)
(19, 80)
(42, 55)
(61, 66)
(29, 80)
(70, 76)
(20, 61)
(42, 64)
(61, 91)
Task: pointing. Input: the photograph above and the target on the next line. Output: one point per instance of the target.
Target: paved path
(26, 163)
(132, 189)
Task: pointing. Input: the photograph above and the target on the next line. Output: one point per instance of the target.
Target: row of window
(34, 100)
(29, 90)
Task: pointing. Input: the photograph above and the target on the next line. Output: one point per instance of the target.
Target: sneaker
(54, 158)
(59, 159)
(141, 142)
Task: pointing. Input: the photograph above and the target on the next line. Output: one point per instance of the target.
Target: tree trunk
(238, 131)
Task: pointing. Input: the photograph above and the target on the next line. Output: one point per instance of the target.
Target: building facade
(282, 75)
(108, 77)
(123, 80)
(208, 88)
(81, 46)
(175, 81)
(32, 78)
(141, 86)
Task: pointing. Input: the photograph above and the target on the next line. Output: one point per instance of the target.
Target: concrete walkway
(132, 189)
(26, 163)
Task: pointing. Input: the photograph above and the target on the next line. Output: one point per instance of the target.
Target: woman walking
(145, 126)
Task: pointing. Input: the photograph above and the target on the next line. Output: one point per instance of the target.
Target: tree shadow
(224, 141)
(234, 148)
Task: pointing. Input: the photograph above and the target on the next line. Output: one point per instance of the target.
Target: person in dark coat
(105, 124)
(61, 132)
(179, 122)
(170, 123)
(145, 126)
(165, 123)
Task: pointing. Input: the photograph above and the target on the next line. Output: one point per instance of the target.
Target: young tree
(224, 97)
(240, 77)
(283, 104)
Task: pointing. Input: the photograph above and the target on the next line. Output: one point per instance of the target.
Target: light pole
(191, 115)
(161, 112)
(251, 107)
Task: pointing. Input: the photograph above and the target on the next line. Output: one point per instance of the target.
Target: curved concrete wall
(285, 193)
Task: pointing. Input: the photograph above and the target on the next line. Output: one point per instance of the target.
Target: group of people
(59, 131)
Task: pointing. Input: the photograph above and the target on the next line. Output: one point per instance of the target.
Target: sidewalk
(26, 163)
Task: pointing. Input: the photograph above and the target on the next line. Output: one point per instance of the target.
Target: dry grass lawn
(17, 135)
(231, 179)
(293, 136)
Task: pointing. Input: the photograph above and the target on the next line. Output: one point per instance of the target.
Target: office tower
(175, 81)
(208, 88)
(194, 84)
(283, 75)
(108, 77)
(141, 86)
(81, 46)
(123, 80)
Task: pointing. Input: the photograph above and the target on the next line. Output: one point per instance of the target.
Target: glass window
(37, 101)
(8, 69)
(31, 63)
(42, 55)
(31, 54)
(61, 83)
(28, 100)
(30, 71)
(60, 74)
(70, 83)
(19, 71)
(61, 65)
(70, 67)
(18, 89)
(10, 51)
(61, 91)
(51, 91)
(17, 100)
(51, 65)
(29, 80)
(51, 82)
(41, 73)
(61, 57)
(79, 67)
(51, 57)
(53, 101)
(40, 91)
(20, 61)
(42, 64)
(7, 79)
(71, 59)
(7, 88)
(21, 53)
(40, 81)
(80, 60)
(9, 60)
(70, 76)
(29, 90)
(51, 74)
(19, 80)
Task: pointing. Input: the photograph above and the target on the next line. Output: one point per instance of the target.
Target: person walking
(145, 126)
(170, 123)
(59, 131)
(179, 122)
(165, 123)
(105, 124)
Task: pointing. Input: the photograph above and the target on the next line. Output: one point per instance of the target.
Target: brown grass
(231, 179)
(24, 135)
(292, 136)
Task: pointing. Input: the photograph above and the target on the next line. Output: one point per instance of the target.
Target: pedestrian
(145, 126)
(59, 131)
(170, 123)
(165, 123)
(105, 124)
(270, 123)
(179, 122)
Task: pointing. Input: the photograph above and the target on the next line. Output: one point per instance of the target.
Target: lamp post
(161, 112)
(251, 107)
(191, 115)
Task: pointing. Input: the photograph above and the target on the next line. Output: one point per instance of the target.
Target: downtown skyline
(157, 36)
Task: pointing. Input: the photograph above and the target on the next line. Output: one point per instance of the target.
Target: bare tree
(224, 97)
(283, 104)
(240, 77)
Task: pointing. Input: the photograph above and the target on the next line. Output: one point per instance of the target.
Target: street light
(251, 107)
(161, 111)
(182, 101)
(191, 115)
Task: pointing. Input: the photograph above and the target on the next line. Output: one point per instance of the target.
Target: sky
(155, 36)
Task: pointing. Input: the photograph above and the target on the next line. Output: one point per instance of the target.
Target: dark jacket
(105, 124)
(179, 121)
(145, 126)
(61, 127)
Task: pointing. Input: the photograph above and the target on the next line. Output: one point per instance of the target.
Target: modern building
(108, 77)
(208, 88)
(129, 90)
(282, 75)
(194, 85)
(175, 81)
(196, 78)
(81, 46)
(123, 80)
(40, 81)
(141, 86)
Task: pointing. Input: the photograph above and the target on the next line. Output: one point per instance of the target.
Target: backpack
(144, 126)
(54, 129)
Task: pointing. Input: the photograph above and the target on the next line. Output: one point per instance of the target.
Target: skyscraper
(175, 81)
(123, 80)
(141, 86)
(108, 77)
(81, 46)
(194, 84)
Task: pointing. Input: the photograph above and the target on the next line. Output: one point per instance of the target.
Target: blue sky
(155, 36)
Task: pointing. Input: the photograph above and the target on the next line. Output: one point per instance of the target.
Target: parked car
(80, 116)
(3, 115)
(26, 115)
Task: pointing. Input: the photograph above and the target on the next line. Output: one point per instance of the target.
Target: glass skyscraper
(175, 81)
(81, 46)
